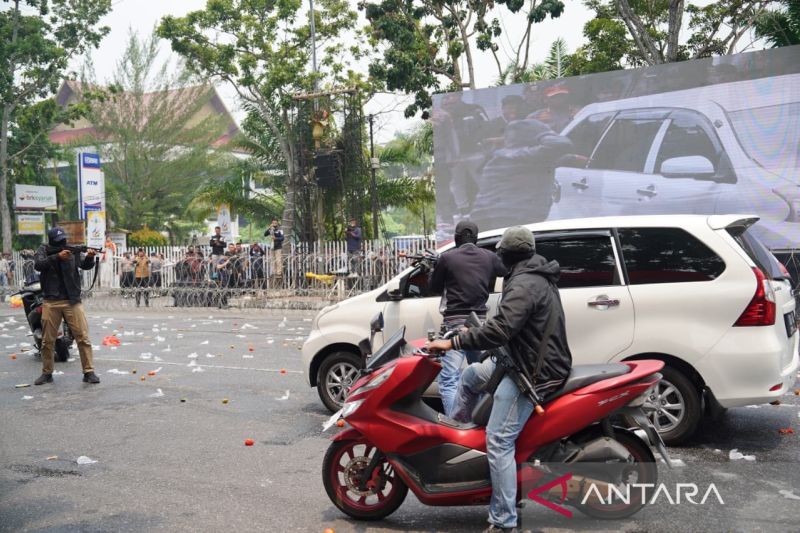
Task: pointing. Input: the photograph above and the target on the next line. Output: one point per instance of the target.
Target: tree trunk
(674, 29)
(5, 211)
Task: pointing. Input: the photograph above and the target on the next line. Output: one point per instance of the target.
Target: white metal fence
(322, 270)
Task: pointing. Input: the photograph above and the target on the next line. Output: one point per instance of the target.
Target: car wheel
(336, 374)
(678, 412)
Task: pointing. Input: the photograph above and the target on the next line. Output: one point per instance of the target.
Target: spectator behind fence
(107, 263)
(156, 266)
(4, 268)
(126, 273)
(352, 235)
(275, 233)
(257, 265)
(142, 277)
(217, 242)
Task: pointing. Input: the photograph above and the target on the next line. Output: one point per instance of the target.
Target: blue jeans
(510, 412)
(450, 374)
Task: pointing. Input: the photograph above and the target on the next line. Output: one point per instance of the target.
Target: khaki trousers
(53, 311)
(277, 262)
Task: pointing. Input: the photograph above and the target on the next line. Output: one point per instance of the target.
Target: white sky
(143, 15)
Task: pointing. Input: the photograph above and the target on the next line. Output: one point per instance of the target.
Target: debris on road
(249, 442)
(789, 495)
(192, 355)
(22, 385)
(284, 397)
(52, 458)
(117, 371)
(225, 401)
(27, 397)
(111, 340)
(157, 394)
(83, 460)
(199, 369)
(735, 455)
(786, 431)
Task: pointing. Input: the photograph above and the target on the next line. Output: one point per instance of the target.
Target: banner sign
(224, 221)
(35, 198)
(91, 184)
(30, 224)
(95, 229)
(710, 136)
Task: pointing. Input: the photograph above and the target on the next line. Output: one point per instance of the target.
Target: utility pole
(313, 48)
(373, 166)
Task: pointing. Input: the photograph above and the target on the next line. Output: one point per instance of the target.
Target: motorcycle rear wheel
(642, 470)
(62, 351)
(341, 471)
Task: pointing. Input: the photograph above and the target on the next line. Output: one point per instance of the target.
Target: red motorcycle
(396, 441)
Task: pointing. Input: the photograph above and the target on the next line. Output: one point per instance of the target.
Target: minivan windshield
(770, 135)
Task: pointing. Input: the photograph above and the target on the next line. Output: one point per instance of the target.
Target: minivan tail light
(761, 309)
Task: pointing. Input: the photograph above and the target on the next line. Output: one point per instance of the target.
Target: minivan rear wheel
(336, 374)
(678, 407)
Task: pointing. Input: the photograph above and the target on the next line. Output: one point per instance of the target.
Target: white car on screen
(723, 148)
(699, 292)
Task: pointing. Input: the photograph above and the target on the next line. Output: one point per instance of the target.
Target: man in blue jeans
(465, 277)
(530, 297)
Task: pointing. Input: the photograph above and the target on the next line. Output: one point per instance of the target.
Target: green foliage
(633, 33)
(161, 128)
(146, 237)
(781, 26)
(261, 48)
(425, 41)
(38, 38)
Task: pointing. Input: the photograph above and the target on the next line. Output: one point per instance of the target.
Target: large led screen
(718, 135)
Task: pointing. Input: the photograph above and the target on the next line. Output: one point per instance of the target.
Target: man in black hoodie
(530, 297)
(61, 288)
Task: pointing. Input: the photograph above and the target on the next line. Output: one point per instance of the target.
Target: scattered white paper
(24, 345)
(146, 355)
(157, 394)
(83, 460)
(27, 397)
(168, 348)
(108, 321)
(790, 495)
(249, 326)
(270, 341)
(58, 373)
(284, 397)
(735, 455)
(116, 371)
(247, 357)
(157, 359)
(72, 359)
(210, 355)
(192, 355)
(204, 342)
(676, 463)
(198, 369)
(160, 339)
(157, 370)
(242, 336)
(192, 363)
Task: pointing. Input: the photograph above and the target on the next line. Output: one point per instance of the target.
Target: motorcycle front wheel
(342, 471)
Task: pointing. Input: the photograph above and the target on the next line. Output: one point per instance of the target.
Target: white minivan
(699, 292)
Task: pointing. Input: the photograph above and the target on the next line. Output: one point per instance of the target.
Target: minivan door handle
(603, 302)
(649, 192)
(580, 185)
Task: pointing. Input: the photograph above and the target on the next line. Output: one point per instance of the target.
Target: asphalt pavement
(168, 441)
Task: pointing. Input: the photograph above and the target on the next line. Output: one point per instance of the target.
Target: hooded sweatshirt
(529, 296)
(60, 279)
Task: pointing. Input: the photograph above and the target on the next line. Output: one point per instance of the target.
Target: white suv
(699, 292)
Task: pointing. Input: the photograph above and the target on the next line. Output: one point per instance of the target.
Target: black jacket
(60, 280)
(529, 296)
(466, 275)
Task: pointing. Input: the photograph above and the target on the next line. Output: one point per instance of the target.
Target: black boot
(90, 377)
(44, 378)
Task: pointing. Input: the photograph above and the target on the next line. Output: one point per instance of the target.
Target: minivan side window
(667, 255)
(585, 261)
(626, 145)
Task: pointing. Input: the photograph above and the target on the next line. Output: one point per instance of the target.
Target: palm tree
(780, 27)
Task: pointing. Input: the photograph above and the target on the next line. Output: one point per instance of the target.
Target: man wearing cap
(558, 112)
(529, 297)
(465, 277)
(61, 288)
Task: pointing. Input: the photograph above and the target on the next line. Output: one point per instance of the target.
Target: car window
(585, 261)
(584, 136)
(626, 145)
(758, 253)
(689, 134)
(667, 255)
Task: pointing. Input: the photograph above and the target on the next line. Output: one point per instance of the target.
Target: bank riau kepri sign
(34, 198)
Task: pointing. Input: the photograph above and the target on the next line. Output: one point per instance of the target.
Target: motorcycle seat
(584, 375)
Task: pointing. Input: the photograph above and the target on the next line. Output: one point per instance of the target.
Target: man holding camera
(61, 287)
